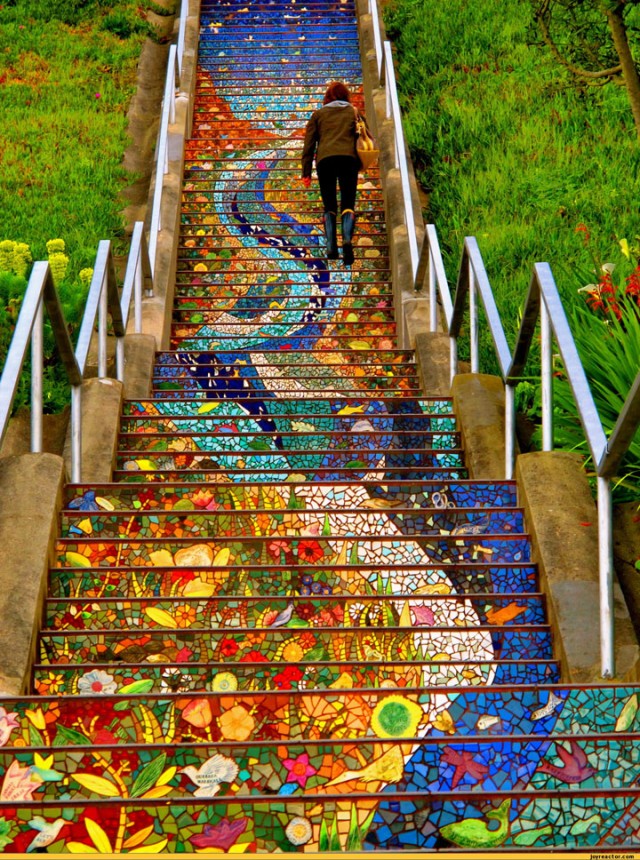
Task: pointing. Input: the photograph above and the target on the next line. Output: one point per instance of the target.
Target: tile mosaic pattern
(292, 622)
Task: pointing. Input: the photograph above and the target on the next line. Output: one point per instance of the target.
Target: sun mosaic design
(294, 623)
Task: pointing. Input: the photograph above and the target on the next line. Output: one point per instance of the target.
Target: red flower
(285, 679)
(228, 647)
(582, 228)
(221, 835)
(275, 547)
(254, 657)
(182, 575)
(305, 611)
(309, 551)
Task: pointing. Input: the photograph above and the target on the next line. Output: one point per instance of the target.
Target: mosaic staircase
(292, 622)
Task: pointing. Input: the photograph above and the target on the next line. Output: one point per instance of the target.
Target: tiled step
(397, 363)
(203, 523)
(188, 382)
(273, 451)
(393, 495)
(306, 336)
(302, 218)
(184, 678)
(479, 711)
(207, 473)
(606, 763)
(202, 384)
(408, 440)
(475, 642)
(198, 467)
(391, 548)
(205, 612)
(298, 407)
(267, 826)
(356, 580)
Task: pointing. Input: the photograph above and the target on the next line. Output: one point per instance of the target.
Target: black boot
(348, 225)
(331, 232)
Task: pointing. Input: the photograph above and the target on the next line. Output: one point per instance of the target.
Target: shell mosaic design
(292, 622)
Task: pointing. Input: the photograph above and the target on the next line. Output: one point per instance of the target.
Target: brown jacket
(330, 131)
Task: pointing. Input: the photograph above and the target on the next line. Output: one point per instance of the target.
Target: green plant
(607, 333)
(507, 150)
(125, 23)
(13, 283)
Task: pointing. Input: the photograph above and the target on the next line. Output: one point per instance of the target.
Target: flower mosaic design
(95, 683)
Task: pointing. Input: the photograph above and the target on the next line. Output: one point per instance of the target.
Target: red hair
(336, 91)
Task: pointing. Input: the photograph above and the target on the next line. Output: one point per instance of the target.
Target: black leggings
(341, 169)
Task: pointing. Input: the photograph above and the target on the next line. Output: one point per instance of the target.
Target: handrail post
(375, 26)
(37, 365)
(453, 357)
(102, 329)
(509, 430)
(473, 318)
(401, 160)
(605, 558)
(137, 295)
(184, 10)
(546, 363)
(162, 158)
(433, 291)
(76, 433)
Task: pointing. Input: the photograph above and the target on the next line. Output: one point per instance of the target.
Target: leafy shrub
(13, 283)
(124, 24)
(508, 148)
(606, 329)
(69, 12)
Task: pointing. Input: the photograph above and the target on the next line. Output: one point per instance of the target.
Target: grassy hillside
(68, 71)
(513, 152)
(509, 149)
(67, 74)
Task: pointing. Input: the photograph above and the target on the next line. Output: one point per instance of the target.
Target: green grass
(511, 151)
(508, 149)
(68, 71)
(64, 94)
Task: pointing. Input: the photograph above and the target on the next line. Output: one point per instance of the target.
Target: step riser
(183, 678)
(531, 642)
(267, 769)
(101, 613)
(248, 497)
(387, 549)
(276, 578)
(206, 524)
(263, 828)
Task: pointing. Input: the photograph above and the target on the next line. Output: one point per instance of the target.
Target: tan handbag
(365, 145)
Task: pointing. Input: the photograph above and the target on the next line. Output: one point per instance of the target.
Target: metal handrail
(168, 116)
(29, 330)
(388, 79)
(182, 34)
(377, 41)
(542, 304)
(103, 300)
(162, 152)
(138, 271)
